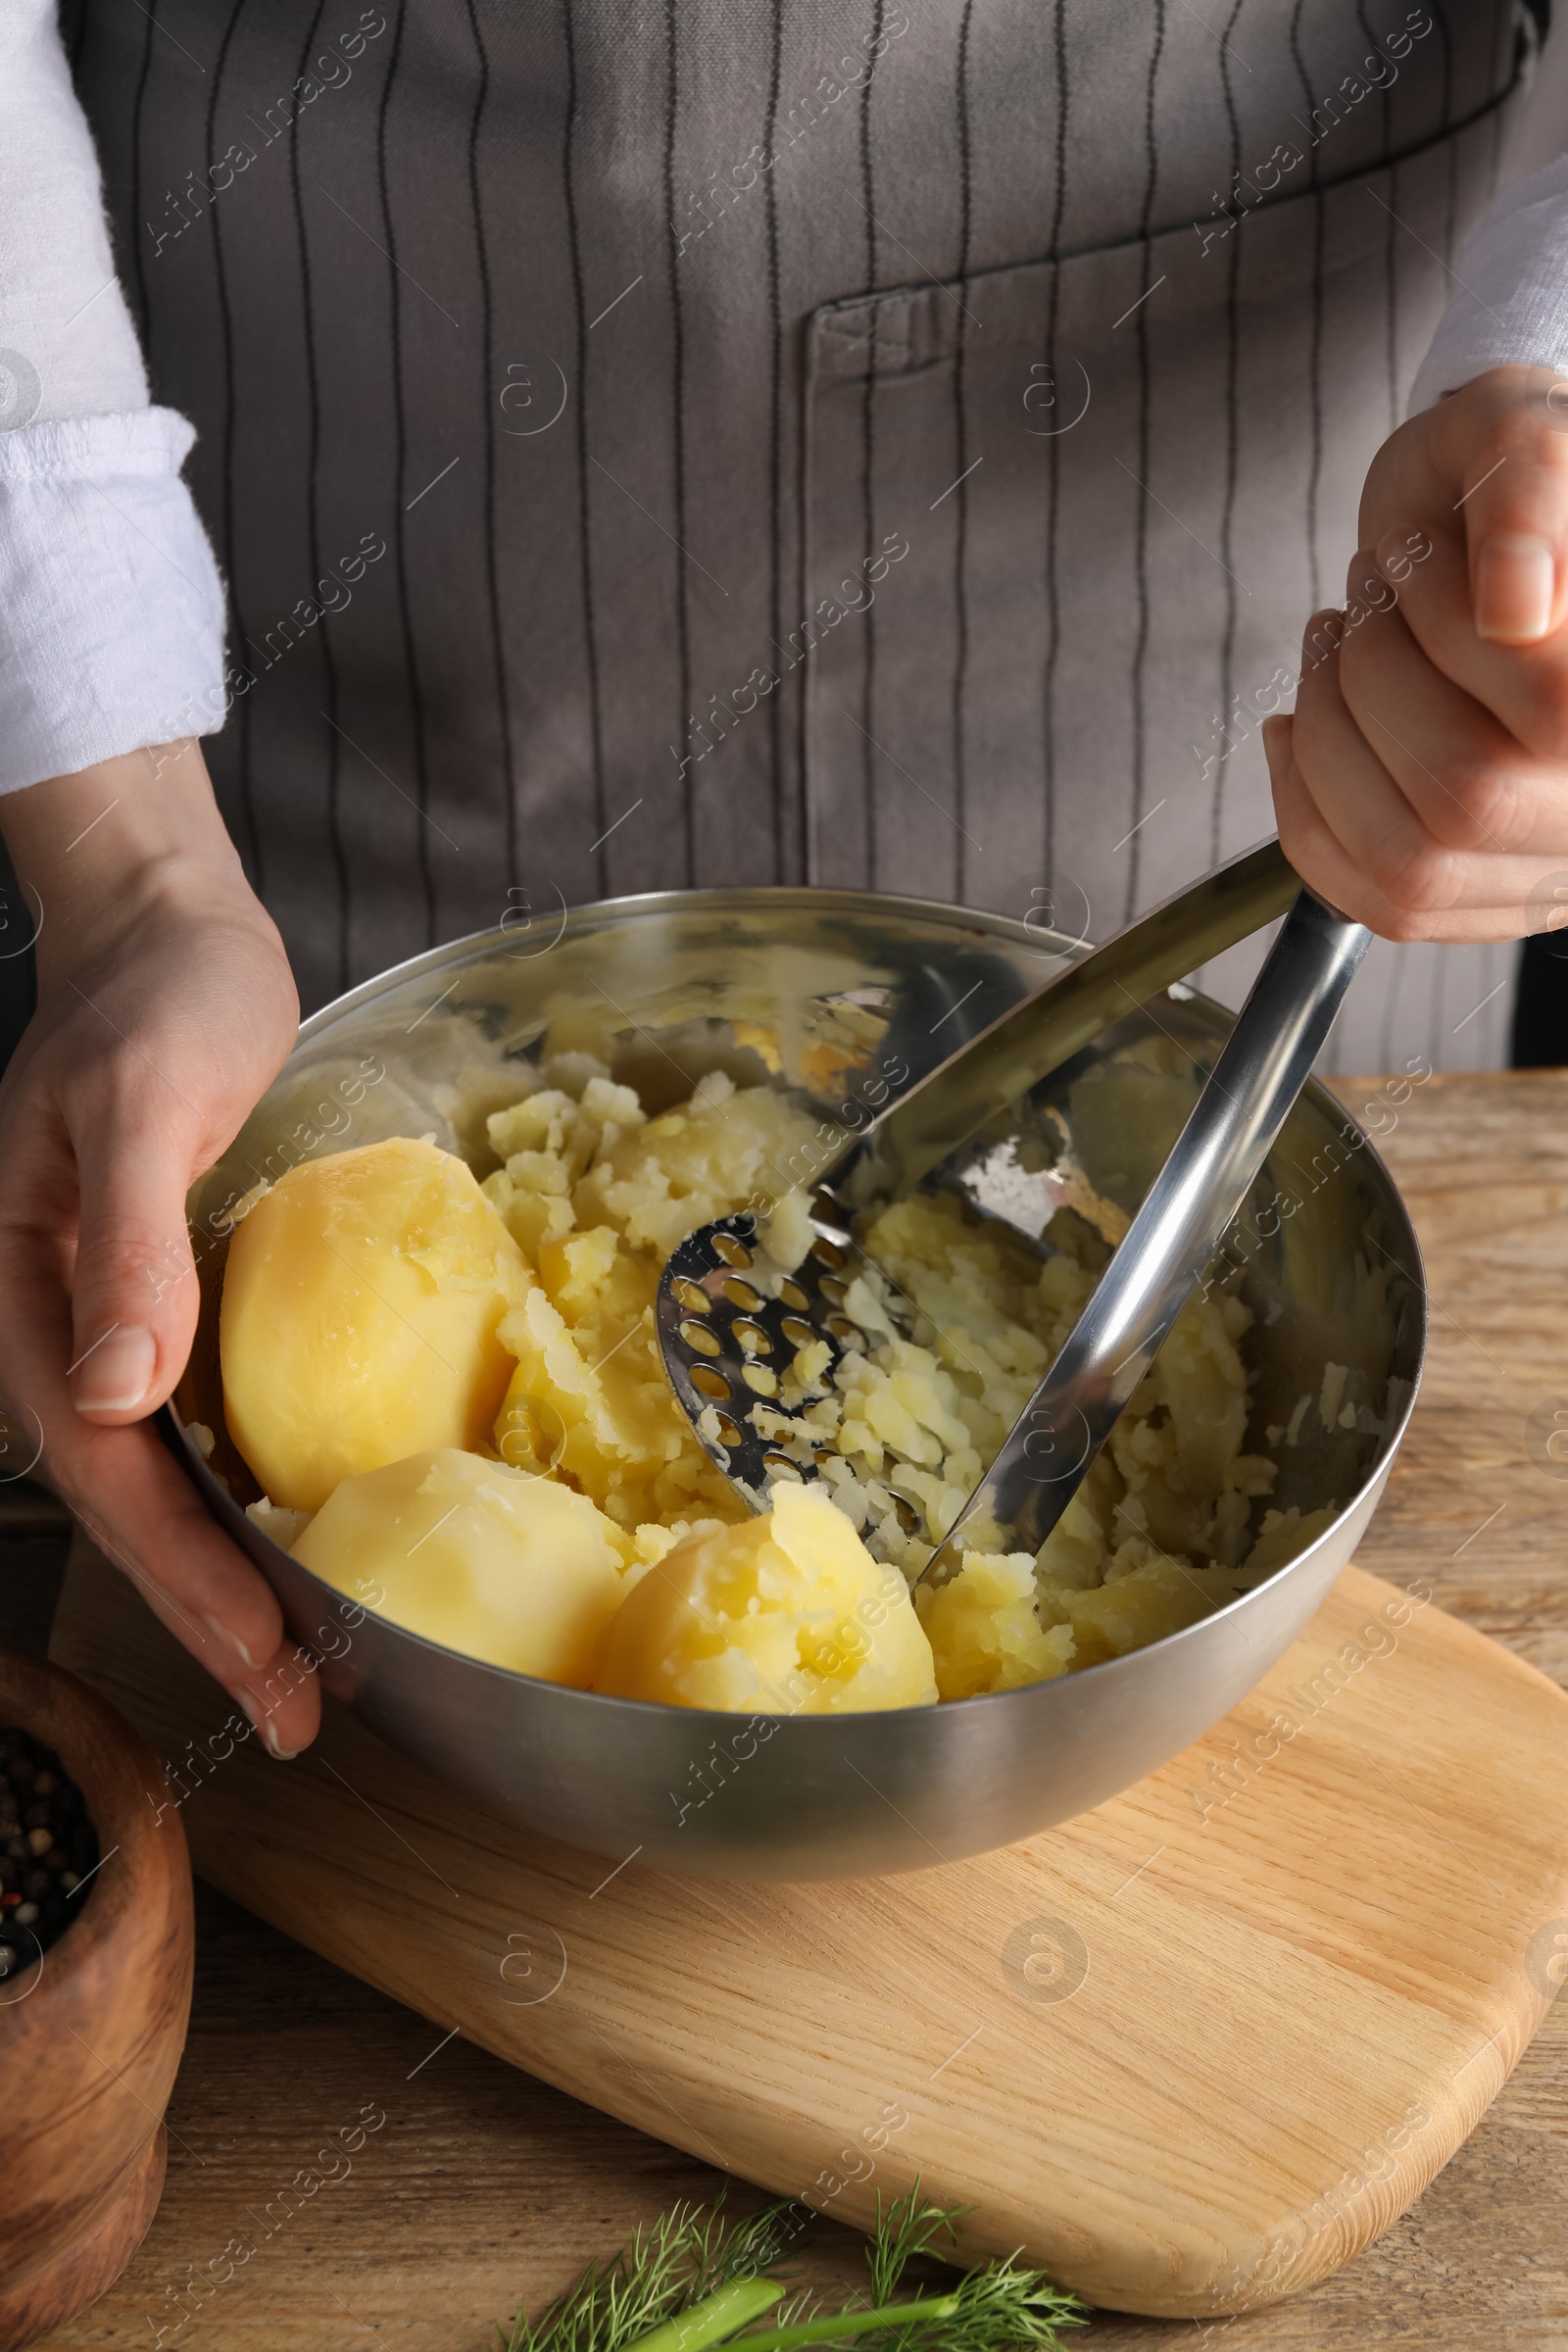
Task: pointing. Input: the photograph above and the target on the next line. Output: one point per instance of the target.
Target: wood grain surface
(483, 2185)
(1190, 2050)
(93, 2025)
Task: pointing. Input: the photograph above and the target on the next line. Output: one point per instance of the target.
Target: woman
(714, 447)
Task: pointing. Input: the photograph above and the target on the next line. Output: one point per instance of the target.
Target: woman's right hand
(166, 1005)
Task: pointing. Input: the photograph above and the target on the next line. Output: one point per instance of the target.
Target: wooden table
(485, 2187)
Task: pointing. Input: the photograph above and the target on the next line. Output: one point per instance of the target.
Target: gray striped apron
(890, 445)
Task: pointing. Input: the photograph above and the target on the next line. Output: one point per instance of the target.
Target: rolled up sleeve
(111, 605)
(1510, 303)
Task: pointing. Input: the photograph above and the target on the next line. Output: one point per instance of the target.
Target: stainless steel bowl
(845, 982)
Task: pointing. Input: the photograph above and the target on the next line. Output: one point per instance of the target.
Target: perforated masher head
(731, 1323)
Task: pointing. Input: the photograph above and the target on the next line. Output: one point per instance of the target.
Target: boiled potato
(516, 1570)
(782, 1615)
(359, 1314)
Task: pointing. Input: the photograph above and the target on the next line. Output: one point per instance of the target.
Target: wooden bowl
(90, 2037)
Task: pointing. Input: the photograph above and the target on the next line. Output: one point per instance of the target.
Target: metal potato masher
(730, 1320)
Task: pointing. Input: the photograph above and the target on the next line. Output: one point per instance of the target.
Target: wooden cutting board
(1192, 2051)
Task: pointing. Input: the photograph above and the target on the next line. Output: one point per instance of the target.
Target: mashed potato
(1158, 1533)
(598, 1197)
(957, 1320)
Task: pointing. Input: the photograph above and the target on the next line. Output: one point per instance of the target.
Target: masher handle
(1172, 1240)
(890, 1153)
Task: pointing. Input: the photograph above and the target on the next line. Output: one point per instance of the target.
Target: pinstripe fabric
(960, 457)
(1060, 71)
(1316, 300)
(584, 551)
(782, 860)
(1227, 528)
(1140, 659)
(645, 447)
(144, 66)
(867, 719)
(487, 375)
(313, 504)
(678, 425)
(246, 829)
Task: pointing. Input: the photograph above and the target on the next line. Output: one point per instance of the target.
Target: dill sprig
(684, 2258)
(693, 2280)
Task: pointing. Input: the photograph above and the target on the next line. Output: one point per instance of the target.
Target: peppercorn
(48, 1852)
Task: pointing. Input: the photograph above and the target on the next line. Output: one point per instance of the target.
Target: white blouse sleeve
(111, 607)
(1509, 300)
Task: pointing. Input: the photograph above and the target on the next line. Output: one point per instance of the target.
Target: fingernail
(267, 1727)
(114, 1375)
(230, 1639)
(1276, 733)
(1323, 635)
(1364, 572)
(1516, 580)
(1390, 551)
